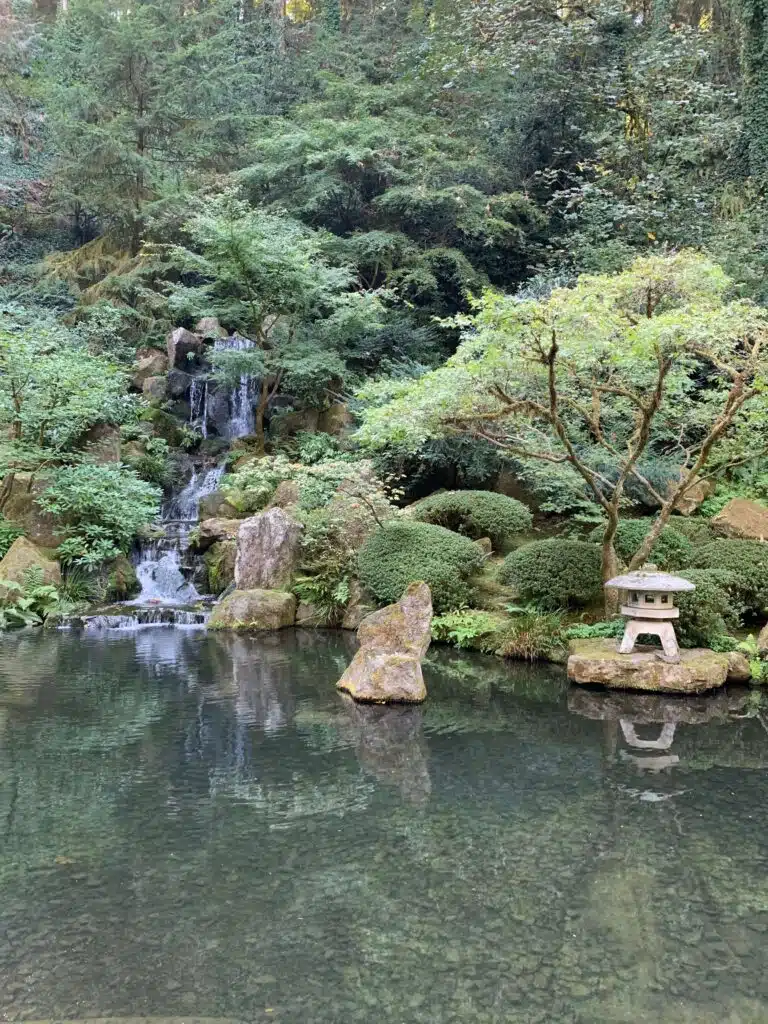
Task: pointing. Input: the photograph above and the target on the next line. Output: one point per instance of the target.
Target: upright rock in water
(22, 556)
(181, 345)
(393, 640)
(267, 551)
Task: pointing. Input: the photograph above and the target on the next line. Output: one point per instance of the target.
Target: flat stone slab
(598, 662)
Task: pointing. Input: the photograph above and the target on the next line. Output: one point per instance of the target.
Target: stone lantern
(650, 608)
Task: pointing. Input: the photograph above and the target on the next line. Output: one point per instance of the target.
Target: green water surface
(198, 825)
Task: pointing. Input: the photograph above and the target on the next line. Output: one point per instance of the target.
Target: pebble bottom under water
(199, 826)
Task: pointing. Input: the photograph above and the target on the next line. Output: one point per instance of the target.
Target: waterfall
(198, 405)
(237, 419)
(160, 565)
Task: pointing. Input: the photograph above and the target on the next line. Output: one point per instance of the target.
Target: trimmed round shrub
(709, 611)
(672, 550)
(555, 573)
(746, 561)
(476, 514)
(401, 553)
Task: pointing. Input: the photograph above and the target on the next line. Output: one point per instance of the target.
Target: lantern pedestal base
(665, 631)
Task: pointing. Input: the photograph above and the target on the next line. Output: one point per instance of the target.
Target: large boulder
(210, 531)
(267, 550)
(252, 610)
(220, 566)
(742, 519)
(22, 556)
(336, 420)
(598, 662)
(209, 327)
(179, 383)
(216, 506)
(687, 504)
(393, 640)
(150, 362)
(182, 345)
(103, 443)
(155, 389)
(42, 528)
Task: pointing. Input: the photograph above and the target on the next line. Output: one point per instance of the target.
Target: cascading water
(240, 420)
(160, 562)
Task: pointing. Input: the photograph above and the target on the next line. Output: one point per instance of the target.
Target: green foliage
(27, 603)
(696, 529)
(595, 630)
(8, 534)
(530, 636)
(476, 514)
(402, 553)
(467, 628)
(708, 612)
(52, 390)
(746, 563)
(555, 573)
(102, 507)
(671, 551)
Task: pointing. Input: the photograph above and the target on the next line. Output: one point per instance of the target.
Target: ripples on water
(198, 826)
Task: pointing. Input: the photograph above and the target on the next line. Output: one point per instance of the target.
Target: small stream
(198, 826)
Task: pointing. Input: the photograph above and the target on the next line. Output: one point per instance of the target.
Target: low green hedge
(555, 573)
(476, 514)
(672, 549)
(747, 563)
(400, 553)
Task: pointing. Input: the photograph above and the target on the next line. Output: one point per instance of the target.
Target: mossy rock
(22, 556)
(122, 581)
(165, 425)
(220, 565)
(245, 611)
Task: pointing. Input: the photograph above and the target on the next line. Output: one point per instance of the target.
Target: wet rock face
(393, 640)
(267, 550)
(42, 528)
(210, 531)
(23, 555)
(742, 520)
(182, 344)
(253, 610)
(598, 662)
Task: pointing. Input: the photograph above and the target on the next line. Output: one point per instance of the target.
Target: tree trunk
(5, 489)
(261, 410)
(610, 565)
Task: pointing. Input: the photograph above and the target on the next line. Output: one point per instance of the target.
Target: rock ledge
(598, 662)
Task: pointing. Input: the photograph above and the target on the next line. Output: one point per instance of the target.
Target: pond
(198, 826)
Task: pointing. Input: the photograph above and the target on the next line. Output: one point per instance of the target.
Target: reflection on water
(199, 826)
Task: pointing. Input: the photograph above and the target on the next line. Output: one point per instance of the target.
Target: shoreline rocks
(254, 610)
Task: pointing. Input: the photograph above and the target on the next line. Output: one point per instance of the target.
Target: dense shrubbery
(709, 612)
(745, 561)
(697, 530)
(102, 506)
(555, 573)
(400, 553)
(671, 551)
(476, 514)
(530, 636)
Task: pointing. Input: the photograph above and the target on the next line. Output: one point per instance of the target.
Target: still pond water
(197, 826)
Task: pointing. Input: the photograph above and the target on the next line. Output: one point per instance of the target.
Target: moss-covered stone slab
(252, 610)
(598, 662)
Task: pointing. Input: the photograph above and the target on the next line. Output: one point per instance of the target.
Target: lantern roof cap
(662, 582)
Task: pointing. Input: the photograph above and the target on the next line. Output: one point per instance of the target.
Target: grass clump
(401, 553)
(476, 514)
(555, 573)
